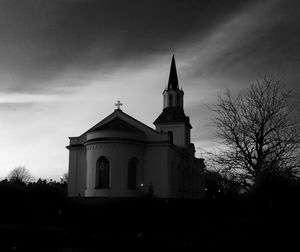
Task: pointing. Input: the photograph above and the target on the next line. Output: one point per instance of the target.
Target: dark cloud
(272, 47)
(42, 39)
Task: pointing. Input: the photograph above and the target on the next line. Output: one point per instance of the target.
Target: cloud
(261, 39)
(15, 106)
(42, 40)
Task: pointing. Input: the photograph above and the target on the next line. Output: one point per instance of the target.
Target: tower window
(170, 100)
(102, 173)
(178, 100)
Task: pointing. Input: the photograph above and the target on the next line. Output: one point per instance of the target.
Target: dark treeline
(39, 217)
(34, 203)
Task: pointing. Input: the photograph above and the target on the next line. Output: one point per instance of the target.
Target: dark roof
(173, 115)
(173, 79)
(117, 124)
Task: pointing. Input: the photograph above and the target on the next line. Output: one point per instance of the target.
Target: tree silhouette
(258, 132)
(64, 178)
(20, 174)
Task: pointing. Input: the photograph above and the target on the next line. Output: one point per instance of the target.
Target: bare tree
(259, 133)
(20, 174)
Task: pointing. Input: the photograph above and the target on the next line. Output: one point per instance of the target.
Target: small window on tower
(178, 100)
(170, 100)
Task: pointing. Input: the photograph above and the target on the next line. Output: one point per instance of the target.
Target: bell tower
(173, 119)
(173, 97)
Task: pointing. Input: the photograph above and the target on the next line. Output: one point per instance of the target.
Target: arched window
(132, 173)
(102, 173)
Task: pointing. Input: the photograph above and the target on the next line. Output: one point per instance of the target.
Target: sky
(65, 63)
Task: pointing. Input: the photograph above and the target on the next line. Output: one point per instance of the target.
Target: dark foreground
(50, 222)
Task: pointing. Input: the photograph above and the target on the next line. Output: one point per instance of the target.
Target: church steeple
(173, 79)
(173, 96)
(173, 119)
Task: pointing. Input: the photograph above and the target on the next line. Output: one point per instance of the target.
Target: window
(132, 173)
(170, 100)
(178, 100)
(102, 173)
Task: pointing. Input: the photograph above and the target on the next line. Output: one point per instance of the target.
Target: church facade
(122, 157)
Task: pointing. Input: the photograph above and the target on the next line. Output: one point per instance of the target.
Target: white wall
(118, 153)
(77, 171)
(72, 172)
(178, 130)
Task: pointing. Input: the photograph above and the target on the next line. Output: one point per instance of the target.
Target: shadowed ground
(45, 220)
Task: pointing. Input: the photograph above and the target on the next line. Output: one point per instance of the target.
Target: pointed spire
(173, 79)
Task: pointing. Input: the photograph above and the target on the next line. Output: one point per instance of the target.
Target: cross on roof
(118, 104)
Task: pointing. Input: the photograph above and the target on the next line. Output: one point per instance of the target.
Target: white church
(122, 157)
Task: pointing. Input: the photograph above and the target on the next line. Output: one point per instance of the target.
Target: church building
(122, 157)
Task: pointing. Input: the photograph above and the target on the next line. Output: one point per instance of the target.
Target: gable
(120, 121)
(117, 124)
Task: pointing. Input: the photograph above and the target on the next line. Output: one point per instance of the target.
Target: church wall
(118, 153)
(77, 172)
(175, 162)
(81, 172)
(179, 133)
(156, 169)
(199, 177)
(184, 175)
(72, 173)
(115, 134)
(172, 173)
(179, 175)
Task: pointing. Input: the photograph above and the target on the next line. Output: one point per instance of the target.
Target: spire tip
(173, 79)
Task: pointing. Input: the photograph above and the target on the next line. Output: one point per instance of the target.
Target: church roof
(122, 122)
(173, 79)
(173, 115)
(117, 124)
